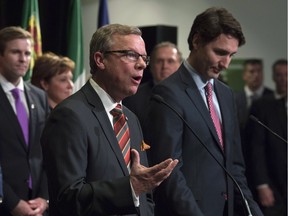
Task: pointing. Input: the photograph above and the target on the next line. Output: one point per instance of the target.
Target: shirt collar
(200, 82)
(8, 86)
(258, 92)
(107, 101)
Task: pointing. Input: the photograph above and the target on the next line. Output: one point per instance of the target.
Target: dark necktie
(213, 114)
(122, 133)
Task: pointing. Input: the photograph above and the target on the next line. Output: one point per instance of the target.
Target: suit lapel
(226, 114)
(100, 114)
(196, 98)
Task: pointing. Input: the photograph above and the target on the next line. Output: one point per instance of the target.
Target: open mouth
(137, 78)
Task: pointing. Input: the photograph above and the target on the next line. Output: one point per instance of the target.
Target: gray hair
(102, 39)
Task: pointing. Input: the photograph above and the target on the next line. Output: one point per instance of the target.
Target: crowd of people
(181, 144)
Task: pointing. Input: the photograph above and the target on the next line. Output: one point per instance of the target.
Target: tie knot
(16, 93)
(254, 96)
(117, 110)
(208, 88)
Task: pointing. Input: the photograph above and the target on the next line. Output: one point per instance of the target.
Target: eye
(132, 55)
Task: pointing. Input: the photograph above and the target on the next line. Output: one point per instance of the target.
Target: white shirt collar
(200, 83)
(258, 92)
(8, 86)
(107, 101)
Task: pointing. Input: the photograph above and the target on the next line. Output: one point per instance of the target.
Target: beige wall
(264, 23)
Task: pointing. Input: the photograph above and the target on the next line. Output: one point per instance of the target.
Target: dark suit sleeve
(68, 156)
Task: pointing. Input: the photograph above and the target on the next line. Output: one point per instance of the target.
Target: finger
(160, 173)
(169, 168)
(36, 211)
(135, 157)
(164, 166)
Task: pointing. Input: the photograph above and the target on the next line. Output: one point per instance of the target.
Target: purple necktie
(23, 120)
(21, 114)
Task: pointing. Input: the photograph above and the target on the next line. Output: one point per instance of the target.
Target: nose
(70, 84)
(225, 61)
(23, 57)
(164, 64)
(141, 64)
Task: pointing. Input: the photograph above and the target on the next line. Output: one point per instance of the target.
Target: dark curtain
(53, 21)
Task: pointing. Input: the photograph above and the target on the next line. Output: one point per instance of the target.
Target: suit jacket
(138, 102)
(198, 185)
(268, 152)
(241, 104)
(17, 159)
(1, 185)
(243, 113)
(87, 174)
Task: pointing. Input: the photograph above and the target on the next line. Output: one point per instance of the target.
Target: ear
(99, 60)
(44, 85)
(196, 41)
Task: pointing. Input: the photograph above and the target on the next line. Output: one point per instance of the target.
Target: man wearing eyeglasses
(88, 171)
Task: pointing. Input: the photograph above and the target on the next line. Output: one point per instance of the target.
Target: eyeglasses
(130, 55)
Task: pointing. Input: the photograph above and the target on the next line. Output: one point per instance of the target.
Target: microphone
(266, 127)
(160, 99)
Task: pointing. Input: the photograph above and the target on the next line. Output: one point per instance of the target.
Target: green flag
(75, 43)
(31, 23)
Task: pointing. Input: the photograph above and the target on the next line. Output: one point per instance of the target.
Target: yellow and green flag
(31, 23)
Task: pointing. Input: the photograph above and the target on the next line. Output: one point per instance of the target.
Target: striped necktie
(122, 132)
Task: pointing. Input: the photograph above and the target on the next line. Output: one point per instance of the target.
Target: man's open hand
(145, 179)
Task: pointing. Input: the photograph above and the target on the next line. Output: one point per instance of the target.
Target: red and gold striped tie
(122, 132)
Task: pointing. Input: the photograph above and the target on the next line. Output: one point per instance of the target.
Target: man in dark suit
(268, 152)
(199, 185)
(254, 89)
(25, 185)
(88, 174)
(165, 60)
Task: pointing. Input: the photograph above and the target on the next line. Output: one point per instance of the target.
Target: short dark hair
(252, 61)
(279, 62)
(213, 22)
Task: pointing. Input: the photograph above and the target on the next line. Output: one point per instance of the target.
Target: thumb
(135, 157)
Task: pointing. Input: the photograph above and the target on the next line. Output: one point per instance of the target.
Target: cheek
(55, 88)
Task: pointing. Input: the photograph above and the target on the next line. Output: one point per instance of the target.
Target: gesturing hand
(145, 179)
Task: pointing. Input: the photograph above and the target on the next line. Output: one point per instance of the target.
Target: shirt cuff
(262, 186)
(135, 198)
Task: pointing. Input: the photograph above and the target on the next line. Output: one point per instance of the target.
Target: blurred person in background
(23, 113)
(165, 60)
(54, 74)
(254, 89)
(268, 159)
